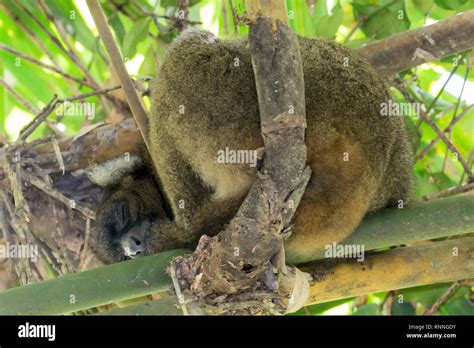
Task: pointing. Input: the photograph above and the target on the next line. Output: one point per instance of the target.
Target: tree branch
(249, 250)
(406, 50)
(96, 144)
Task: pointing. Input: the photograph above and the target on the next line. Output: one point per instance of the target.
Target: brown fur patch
(336, 199)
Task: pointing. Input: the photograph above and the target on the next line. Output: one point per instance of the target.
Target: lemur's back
(205, 101)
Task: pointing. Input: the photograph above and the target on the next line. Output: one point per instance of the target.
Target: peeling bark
(247, 255)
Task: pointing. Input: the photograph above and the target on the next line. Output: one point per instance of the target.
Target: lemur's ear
(112, 172)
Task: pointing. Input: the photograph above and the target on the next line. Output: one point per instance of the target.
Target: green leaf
(466, 7)
(148, 66)
(457, 306)
(438, 13)
(442, 181)
(423, 187)
(322, 307)
(426, 98)
(426, 295)
(118, 28)
(328, 25)
(69, 15)
(299, 18)
(137, 33)
(384, 19)
(403, 308)
(324, 23)
(458, 303)
(450, 4)
(368, 309)
(416, 12)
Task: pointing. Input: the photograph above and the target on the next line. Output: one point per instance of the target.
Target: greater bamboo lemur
(204, 101)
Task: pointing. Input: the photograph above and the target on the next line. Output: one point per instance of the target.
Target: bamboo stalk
(399, 268)
(415, 222)
(92, 288)
(394, 269)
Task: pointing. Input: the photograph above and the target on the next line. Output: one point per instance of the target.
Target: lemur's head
(131, 207)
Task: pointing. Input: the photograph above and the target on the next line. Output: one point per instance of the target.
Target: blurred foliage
(144, 28)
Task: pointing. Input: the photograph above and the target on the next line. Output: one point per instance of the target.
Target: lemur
(204, 100)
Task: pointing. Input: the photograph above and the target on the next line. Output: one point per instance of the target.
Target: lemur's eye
(122, 215)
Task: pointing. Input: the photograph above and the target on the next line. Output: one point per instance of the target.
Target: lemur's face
(125, 218)
(123, 228)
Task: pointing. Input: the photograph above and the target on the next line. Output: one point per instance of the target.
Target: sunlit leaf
(383, 19)
(426, 295)
(68, 14)
(138, 33)
(368, 309)
(328, 25)
(450, 4)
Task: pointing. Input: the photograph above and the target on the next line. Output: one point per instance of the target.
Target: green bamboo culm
(131, 279)
(92, 288)
(446, 217)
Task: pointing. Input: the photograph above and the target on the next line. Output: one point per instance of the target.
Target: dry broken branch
(406, 50)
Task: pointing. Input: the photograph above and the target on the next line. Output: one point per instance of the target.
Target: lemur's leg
(184, 191)
(336, 199)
